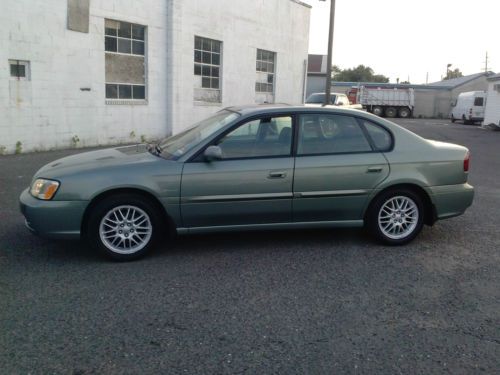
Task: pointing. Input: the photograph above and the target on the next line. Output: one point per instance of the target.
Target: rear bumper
(451, 200)
(52, 219)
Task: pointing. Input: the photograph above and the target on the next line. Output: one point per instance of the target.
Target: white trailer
(394, 102)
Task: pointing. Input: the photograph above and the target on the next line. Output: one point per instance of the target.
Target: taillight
(467, 162)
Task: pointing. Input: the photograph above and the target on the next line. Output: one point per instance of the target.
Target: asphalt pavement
(288, 302)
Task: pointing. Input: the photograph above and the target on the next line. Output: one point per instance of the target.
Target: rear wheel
(378, 111)
(404, 112)
(453, 119)
(124, 227)
(391, 112)
(396, 217)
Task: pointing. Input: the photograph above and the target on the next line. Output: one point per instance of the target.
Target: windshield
(174, 147)
(319, 98)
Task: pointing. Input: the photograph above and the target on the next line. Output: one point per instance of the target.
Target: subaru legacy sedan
(253, 168)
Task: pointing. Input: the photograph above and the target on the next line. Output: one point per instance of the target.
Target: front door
(338, 165)
(250, 184)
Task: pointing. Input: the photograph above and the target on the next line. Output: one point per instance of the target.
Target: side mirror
(213, 153)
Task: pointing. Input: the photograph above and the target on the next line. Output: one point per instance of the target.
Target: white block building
(492, 110)
(77, 73)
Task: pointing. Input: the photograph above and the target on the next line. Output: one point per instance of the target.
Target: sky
(410, 38)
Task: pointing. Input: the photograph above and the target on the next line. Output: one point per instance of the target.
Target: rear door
(251, 184)
(337, 166)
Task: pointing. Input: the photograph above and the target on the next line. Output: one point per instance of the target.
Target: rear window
(479, 102)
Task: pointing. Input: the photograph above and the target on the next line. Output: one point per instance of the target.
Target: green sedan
(253, 168)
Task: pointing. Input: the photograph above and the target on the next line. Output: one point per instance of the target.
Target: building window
(124, 37)
(207, 68)
(119, 91)
(19, 70)
(125, 50)
(265, 71)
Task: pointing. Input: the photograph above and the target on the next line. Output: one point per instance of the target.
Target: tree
(450, 74)
(360, 73)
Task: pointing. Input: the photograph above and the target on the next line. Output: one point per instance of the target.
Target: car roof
(257, 109)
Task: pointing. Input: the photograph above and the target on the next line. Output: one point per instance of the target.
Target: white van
(469, 107)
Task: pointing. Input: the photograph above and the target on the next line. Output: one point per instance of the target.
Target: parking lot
(309, 301)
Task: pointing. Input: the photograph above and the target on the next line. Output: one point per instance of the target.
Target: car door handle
(374, 169)
(277, 174)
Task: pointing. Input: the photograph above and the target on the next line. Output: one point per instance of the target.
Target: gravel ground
(297, 302)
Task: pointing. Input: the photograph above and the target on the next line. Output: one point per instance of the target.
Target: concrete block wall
(65, 100)
(243, 27)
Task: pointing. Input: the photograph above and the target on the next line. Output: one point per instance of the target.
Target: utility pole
(328, 83)
(486, 63)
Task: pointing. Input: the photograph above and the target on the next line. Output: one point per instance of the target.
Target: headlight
(44, 189)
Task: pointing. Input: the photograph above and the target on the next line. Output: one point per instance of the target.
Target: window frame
(211, 66)
(198, 156)
(27, 72)
(273, 73)
(131, 39)
(131, 100)
(359, 121)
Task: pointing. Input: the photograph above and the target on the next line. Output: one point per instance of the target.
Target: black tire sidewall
(391, 112)
(372, 217)
(104, 206)
(404, 113)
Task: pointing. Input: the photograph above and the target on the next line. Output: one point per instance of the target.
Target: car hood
(100, 159)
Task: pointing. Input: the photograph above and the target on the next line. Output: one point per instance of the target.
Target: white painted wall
(243, 26)
(50, 109)
(492, 110)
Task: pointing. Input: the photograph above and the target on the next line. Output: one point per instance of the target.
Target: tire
(385, 220)
(115, 223)
(464, 119)
(378, 111)
(404, 112)
(390, 112)
(453, 119)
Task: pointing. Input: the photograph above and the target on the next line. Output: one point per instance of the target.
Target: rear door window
(321, 134)
(478, 102)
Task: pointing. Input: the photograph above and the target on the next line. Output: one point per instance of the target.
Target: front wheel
(396, 217)
(124, 227)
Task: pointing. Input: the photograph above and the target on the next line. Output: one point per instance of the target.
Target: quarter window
(330, 134)
(265, 137)
(381, 138)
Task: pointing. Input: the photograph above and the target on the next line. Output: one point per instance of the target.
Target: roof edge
(301, 3)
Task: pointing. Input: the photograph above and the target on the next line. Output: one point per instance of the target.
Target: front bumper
(451, 200)
(52, 219)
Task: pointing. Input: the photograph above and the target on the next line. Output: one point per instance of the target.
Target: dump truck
(384, 102)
